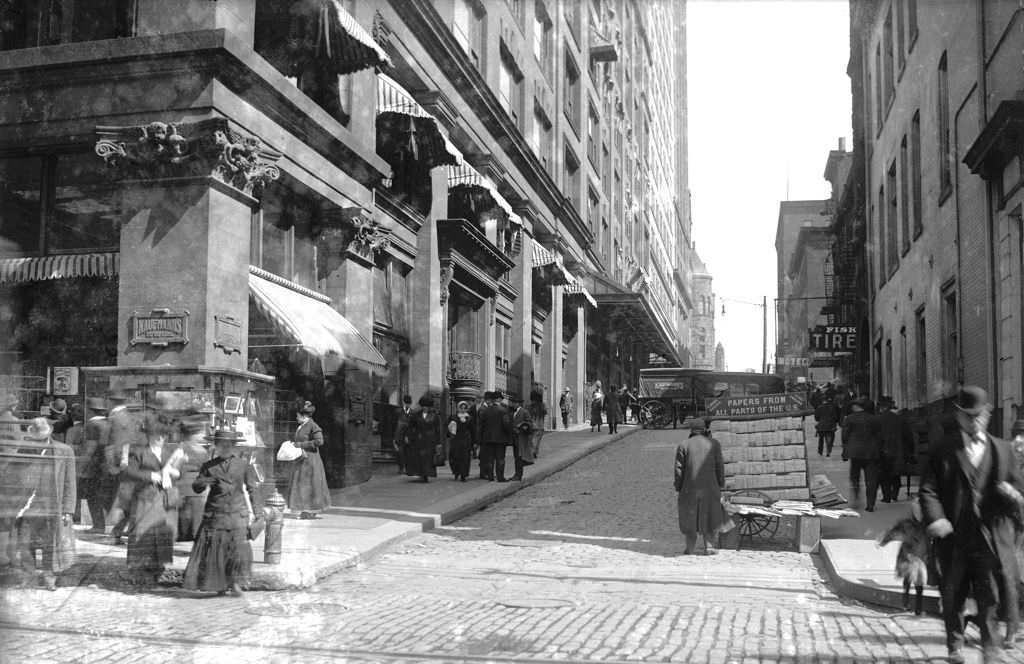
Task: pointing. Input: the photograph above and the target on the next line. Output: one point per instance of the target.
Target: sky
(768, 97)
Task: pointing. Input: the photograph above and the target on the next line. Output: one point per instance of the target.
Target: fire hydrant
(274, 509)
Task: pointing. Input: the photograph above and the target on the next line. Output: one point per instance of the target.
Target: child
(911, 561)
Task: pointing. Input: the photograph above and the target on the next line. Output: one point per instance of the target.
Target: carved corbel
(207, 147)
(447, 274)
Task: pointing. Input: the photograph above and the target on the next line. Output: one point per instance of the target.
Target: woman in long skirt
(424, 437)
(308, 493)
(154, 505)
(462, 432)
(221, 558)
(190, 512)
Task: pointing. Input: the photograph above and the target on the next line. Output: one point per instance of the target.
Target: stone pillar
(159, 17)
(521, 278)
(428, 336)
(550, 371)
(184, 262)
(575, 362)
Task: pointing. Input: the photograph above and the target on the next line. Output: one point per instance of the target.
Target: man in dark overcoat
(897, 448)
(401, 441)
(699, 479)
(970, 503)
(495, 426)
(862, 447)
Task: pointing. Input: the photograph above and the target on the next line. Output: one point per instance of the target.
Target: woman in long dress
(221, 559)
(424, 437)
(190, 511)
(539, 413)
(596, 406)
(308, 493)
(462, 434)
(154, 505)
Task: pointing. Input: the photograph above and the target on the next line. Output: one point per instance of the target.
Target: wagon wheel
(761, 525)
(653, 414)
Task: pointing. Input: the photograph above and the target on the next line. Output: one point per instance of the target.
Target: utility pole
(764, 338)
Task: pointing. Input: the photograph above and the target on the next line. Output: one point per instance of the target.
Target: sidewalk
(368, 518)
(364, 520)
(857, 566)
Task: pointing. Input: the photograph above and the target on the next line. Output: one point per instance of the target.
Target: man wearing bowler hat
(970, 502)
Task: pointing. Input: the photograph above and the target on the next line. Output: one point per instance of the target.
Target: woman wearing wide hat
(424, 438)
(221, 559)
(308, 493)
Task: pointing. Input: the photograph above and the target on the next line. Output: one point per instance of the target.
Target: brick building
(938, 89)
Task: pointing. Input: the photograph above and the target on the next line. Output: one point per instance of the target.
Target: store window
(58, 203)
(31, 23)
(282, 237)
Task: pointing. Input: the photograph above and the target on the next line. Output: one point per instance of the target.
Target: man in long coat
(495, 424)
(699, 479)
(970, 503)
(862, 447)
(897, 448)
(45, 521)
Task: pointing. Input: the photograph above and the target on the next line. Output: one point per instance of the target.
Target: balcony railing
(507, 381)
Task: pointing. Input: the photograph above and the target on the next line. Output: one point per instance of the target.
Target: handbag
(257, 522)
(288, 451)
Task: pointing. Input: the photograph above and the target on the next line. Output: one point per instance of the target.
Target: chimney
(842, 144)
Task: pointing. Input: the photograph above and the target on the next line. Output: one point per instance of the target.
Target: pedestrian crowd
(149, 477)
(485, 431)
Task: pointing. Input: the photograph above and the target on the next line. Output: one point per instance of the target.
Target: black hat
(225, 436)
(95, 403)
(697, 425)
(307, 408)
(972, 400)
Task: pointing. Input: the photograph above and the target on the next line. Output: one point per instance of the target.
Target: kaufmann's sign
(159, 328)
(835, 339)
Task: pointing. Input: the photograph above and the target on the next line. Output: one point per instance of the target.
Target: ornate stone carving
(447, 274)
(208, 147)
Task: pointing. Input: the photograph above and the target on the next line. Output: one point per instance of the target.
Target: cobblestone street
(584, 566)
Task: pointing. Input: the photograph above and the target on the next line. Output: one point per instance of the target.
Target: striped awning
(303, 35)
(405, 129)
(542, 256)
(65, 266)
(467, 176)
(576, 288)
(309, 319)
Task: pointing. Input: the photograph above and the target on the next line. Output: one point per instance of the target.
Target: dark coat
(862, 436)
(461, 443)
(402, 429)
(308, 490)
(495, 425)
(827, 416)
(153, 510)
(699, 478)
(425, 434)
(522, 424)
(947, 492)
(897, 440)
(613, 407)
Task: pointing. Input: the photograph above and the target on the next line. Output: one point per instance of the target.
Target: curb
(869, 594)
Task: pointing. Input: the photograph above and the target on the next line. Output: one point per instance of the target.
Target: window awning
(66, 266)
(542, 256)
(467, 176)
(293, 35)
(405, 129)
(313, 323)
(575, 287)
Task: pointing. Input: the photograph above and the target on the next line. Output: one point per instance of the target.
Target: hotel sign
(159, 328)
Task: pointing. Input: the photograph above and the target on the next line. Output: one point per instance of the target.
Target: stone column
(576, 361)
(428, 337)
(188, 191)
(521, 278)
(550, 371)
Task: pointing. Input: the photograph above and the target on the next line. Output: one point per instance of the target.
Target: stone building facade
(245, 203)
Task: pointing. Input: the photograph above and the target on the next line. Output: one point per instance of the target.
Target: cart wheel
(654, 414)
(761, 525)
